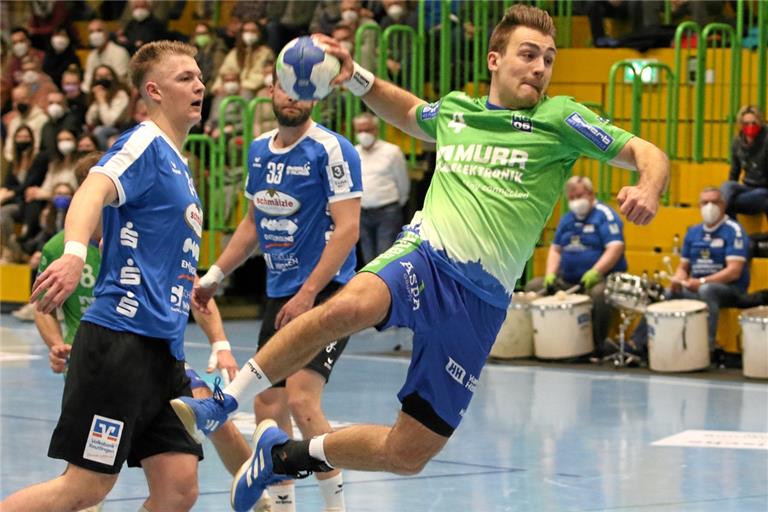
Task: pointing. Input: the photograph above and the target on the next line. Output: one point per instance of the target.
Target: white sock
(249, 382)
(283, 498)
(317, 449)
(332, 490)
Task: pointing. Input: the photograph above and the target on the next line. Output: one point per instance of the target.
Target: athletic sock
(283, 498)
(293, 458)
(249, 382)
(332, 491)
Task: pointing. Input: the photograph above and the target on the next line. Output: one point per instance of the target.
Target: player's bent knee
(86, 487)
(303, 407)
(405, 461)
(350, 312)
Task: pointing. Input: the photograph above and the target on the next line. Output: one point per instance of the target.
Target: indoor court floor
(535, 438)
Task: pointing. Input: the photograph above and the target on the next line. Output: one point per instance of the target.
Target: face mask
(750, 130)
(348, 45)
(104, 82)
(55, 110)
(66, 146)
(23, 108)
(366, 139)
(29, 77)
(202, 40)
(59, 43)
(70, 89)
(97, 39)
(268, 80)
(140, 14)
(250, 38)
(20, 49)
(349, 16)
(710, 212)
(231, 88)
(23, 146)
(61, 202)
(395, 11)
(580, 207)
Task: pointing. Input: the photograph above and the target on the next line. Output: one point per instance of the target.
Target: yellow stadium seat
(14, 283)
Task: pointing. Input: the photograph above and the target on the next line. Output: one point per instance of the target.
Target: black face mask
(22, 147)
(104, 82)
(23, 108)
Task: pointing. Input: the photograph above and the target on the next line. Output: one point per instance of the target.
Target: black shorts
(325, 360)
(116, 401)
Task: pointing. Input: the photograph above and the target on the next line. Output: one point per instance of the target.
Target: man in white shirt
(104, 52)
(385, 188)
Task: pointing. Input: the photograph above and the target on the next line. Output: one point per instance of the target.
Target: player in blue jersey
(127, 359)
(304, 188)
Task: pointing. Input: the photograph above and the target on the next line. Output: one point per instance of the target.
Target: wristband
(214, 276)
(361, 81)
(217, 346)
(76, 248)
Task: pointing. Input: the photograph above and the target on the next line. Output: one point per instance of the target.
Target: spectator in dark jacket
(749, 153)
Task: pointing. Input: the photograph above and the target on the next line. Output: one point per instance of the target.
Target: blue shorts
(453, 328)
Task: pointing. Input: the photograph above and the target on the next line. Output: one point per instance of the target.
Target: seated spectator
(109, 105)
(229, 33)
(38, 82)
(21, 46)
(51, 221)
(104, 52)
(588, 245)
(713, 264)
(23, 113)
(287, 20)
(233, 117)
(59, 55)
(211, 52)
(76, 98)
(60, 118)
(385, 188)
(143, 26)
(640, 14)
(264, 119)
(22, 172)
(86, 143)
(249, 56)
(46, 18)
(749, 154)
(345, 34)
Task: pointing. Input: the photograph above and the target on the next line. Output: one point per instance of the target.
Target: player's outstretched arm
(59, 280)
(640, 203)
(221, 351)
(394, 105)
(244, 242)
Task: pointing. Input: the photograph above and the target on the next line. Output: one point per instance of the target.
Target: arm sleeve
(736, 246)
(588, 134)
(686, 251)
(733, 174)
(132, 168)
(342, 169)
(611, 229)
(427, 115)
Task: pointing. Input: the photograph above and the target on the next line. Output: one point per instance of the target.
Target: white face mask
(59, 43)
(365, 139)
(140, 14)
(66, 146)
(349, 16)
(710, 212)
(268, 80)
(29, 77)
(396, 12)
(20, 49)
(580, 207)
(250, 38)
(55, 110)
(231, 88)
(97, 39)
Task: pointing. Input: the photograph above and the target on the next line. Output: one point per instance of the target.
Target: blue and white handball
(305, 70)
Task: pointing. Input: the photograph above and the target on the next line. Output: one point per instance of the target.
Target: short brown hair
(84, 164)
(520, 16)
(152, 53)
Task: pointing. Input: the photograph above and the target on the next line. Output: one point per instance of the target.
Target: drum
(754, 342)
(515, 338)
(677, 336)
(632, 292)
(562, 327)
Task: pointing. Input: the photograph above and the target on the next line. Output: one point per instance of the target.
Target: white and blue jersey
(151, 238)
(583, 241)
(291, 189)
(707, 250)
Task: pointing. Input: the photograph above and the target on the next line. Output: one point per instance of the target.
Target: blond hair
(574, 181)
(751, 109)
(152, 53)
(520, 16)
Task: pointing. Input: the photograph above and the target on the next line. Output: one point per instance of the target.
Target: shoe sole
(246, 466)
(187, 417)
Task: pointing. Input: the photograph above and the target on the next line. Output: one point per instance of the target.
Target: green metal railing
(685, 52)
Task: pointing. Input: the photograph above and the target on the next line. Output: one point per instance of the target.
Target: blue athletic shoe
(203, 416)
(255, 475)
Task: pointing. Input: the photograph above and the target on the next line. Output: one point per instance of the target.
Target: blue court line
(672, 503)
(349, 484)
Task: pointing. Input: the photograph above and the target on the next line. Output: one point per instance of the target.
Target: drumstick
(672, 279)
(667, 261)
(562, 294)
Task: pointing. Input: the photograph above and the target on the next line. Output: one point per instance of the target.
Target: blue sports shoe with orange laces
(203, 416)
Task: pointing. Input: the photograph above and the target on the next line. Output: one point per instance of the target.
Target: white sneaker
(26, 313)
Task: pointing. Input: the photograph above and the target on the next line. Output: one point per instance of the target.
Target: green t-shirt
(499, 174)
(78, 302)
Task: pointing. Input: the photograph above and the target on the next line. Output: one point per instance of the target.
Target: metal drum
(562, 326)
(677, 336)
(515, 338)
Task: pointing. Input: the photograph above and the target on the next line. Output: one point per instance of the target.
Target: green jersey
(78, 302)
(498, 176)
